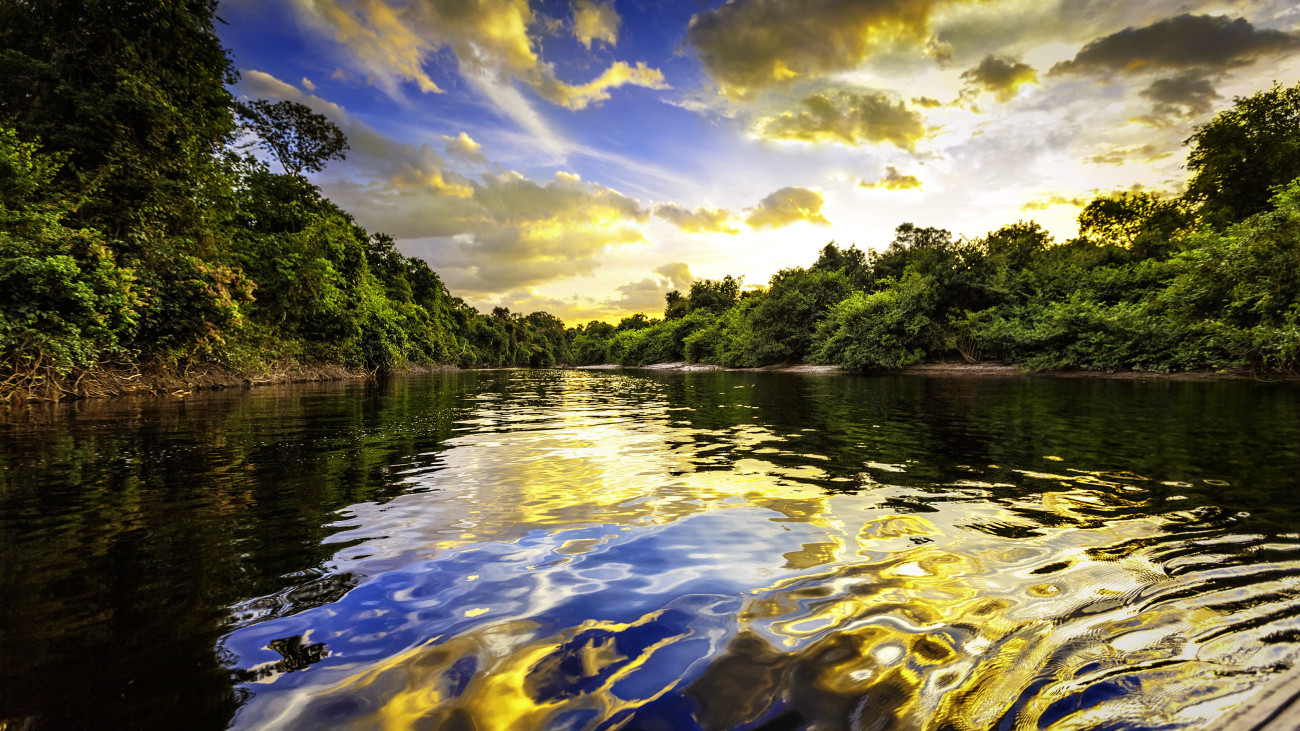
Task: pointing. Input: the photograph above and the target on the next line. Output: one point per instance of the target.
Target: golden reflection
(513, 686)
(974, 604)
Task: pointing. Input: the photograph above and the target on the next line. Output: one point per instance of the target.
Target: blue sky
(586, 156)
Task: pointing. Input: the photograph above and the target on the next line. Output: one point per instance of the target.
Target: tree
(675, 305)
(851, 261)
(1238, 157)
(633, 322)
(299, 138)
(133, 93)
(796, 301)
(715, 295)
(1142, 222)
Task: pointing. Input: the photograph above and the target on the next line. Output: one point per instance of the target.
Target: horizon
(584, 158)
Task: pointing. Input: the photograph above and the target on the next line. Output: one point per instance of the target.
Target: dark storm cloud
(1181, 42)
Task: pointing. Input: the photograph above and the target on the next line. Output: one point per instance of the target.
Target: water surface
(592, 550)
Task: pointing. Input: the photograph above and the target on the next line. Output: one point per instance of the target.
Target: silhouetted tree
(1244, 152)
(299, 138)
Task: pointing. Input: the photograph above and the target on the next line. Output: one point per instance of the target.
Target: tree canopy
(1245, 152)
(300, 139)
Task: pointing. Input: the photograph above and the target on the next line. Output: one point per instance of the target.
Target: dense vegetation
(1207, 280)
(135, 236)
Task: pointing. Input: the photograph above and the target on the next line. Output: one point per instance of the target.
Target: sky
(584, 157)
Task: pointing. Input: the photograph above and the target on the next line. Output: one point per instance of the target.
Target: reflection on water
(511, 550)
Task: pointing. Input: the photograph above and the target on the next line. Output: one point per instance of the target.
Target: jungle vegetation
(136, 236)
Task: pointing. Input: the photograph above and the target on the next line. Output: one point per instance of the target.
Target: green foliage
(675, 305)
(889, 328)
(1246, 280)
(64, 302)
(714, 295)
(1142, 222)
(726, 339)
(1238, 157)
(634, 322)
(784, 319)
(133, 95)
(1085, 333)
(589, 343)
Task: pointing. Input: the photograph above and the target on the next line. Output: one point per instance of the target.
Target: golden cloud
(465, 148)
(1122, 155)
(702, 220)
(1046, 202)
(495, 233)
(400, 166)
(848, 117)
(787, 206)
(749, 45)
(1001, 76)
(579, 96)
(646, 295)
(678, 274)
(926, 102)
(524, 233)
(894, 180)
(392, 43)
(595, 21)
(528, 300)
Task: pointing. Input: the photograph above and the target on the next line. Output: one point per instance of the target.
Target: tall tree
(299, 138)
(133, 93)
(1244, 152)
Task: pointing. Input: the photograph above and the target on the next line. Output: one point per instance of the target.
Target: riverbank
(161, 381)
(973, 370)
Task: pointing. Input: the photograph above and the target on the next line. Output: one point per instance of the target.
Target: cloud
(307, 84)
(926, 102)
(572, 311)
(702, 220)
(1178, 98)
(1046, 202)
(894, 180)
(1122, 155)
(646, 295)
(465, 148)
(401, 165)
(494, 233)
(1179, 43)
(787, 206)
(595, 21)
(526, 233)
(382, 40)
(848, 117)
(678, 274)
(581, 95)
(392, 43)
(263, 85)
(749, 45)
(1001, 76)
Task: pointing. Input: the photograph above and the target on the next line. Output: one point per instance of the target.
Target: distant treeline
(135, 236)
(1210, 279)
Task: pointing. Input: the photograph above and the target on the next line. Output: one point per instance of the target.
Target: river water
(599, 550)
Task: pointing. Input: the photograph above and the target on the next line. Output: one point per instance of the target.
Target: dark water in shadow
(573, 550)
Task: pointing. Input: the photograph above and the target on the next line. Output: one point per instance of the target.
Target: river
(595, 550)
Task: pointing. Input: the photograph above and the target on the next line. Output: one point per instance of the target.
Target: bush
(890, 328)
